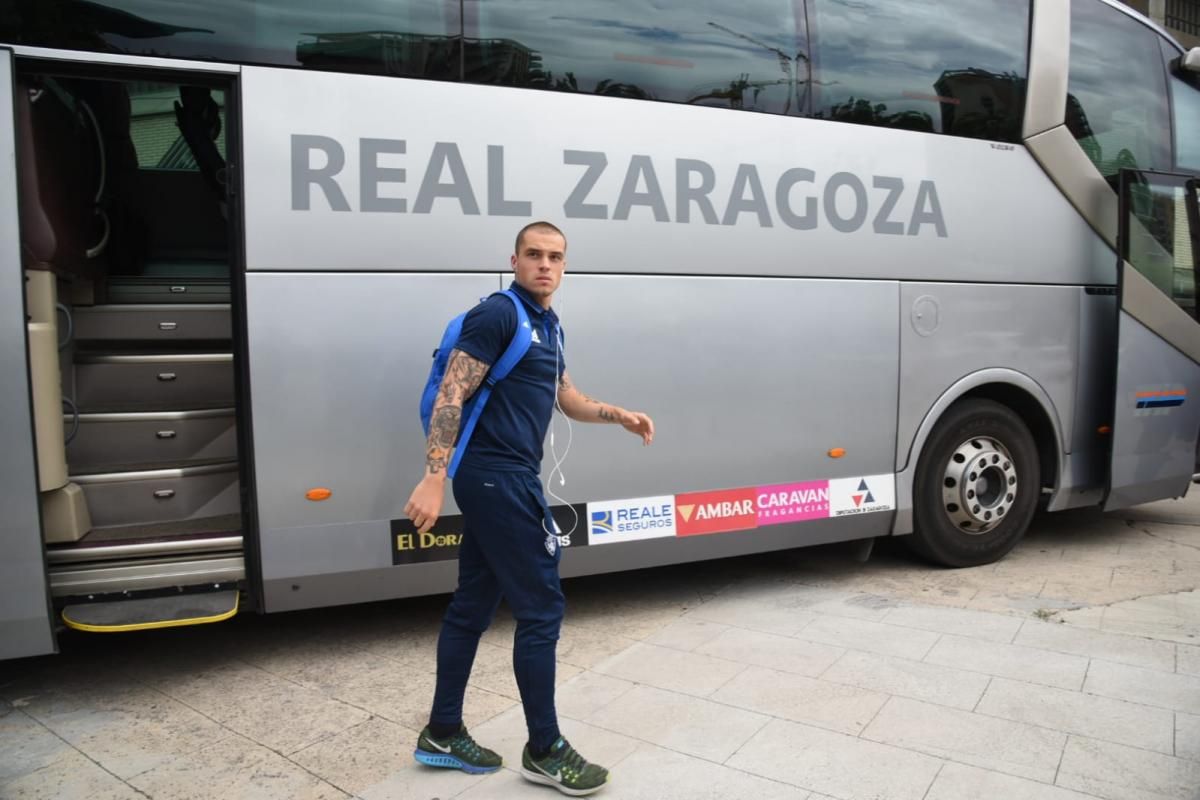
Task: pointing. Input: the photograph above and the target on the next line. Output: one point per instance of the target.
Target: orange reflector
(318, 494)
(837, 452)
(1104, 430)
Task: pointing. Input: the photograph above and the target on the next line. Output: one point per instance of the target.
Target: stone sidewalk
(1069, 670)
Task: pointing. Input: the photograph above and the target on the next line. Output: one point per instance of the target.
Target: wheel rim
(979, 485)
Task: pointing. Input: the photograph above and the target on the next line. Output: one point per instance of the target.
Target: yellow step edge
(145, 626)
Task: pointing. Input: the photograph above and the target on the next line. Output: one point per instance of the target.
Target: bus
(875, 268)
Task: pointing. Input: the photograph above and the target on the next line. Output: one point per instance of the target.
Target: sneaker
(459, 751)
(564, 769)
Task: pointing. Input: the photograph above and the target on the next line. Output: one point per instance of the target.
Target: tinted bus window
(1117, 92)
(922, 65)
(735, 55)
(1185, 96)
(373, 36)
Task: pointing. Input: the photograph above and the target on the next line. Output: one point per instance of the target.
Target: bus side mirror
(1190, 61)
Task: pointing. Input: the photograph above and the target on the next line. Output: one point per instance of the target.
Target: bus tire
(977, 485)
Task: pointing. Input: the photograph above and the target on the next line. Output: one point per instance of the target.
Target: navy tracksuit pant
(506, 552)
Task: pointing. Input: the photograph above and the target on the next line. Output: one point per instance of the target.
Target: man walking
(508, 548)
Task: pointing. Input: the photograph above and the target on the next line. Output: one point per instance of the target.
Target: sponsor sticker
(441, 543)
(848, 496)
(792, 502)
(716, 512)
(610, 521)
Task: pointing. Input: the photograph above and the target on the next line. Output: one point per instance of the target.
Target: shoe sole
(537, 777)
(447, 761)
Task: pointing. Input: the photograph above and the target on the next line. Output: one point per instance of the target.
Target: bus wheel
(977, 485)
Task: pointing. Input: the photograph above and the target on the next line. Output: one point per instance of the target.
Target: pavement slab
(996, 744)
(836, 764)
(1083, 714)
(1010, 661)
(1117, 772)
(906, 678)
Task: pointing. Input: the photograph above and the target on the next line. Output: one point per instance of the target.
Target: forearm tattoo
(463, 376)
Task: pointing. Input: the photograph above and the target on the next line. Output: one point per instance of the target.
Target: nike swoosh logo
(437, 746)
(556, 777)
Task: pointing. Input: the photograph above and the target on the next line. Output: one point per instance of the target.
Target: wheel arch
(1010, 388)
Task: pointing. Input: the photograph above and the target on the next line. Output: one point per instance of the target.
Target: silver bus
(876, 268)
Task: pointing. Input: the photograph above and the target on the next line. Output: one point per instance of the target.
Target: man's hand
(425, 504)
(638, 424)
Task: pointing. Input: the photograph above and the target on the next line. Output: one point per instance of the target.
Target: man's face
(539, 263)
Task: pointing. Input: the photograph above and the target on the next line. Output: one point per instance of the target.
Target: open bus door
(1156, 414)
(25, 627)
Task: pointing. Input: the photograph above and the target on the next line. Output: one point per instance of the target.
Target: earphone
(559, 461)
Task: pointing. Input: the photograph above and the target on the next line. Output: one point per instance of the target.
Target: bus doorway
(129, 260)
(1156, 416)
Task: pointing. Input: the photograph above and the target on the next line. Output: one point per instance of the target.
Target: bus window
(956, 68)
(745, 56)
(1117, 93)
(1185, 98)
(383, 37)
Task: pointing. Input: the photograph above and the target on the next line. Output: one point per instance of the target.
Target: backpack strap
(516, 350)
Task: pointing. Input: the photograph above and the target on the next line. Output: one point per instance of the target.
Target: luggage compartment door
(25, 628)
(1156, 414)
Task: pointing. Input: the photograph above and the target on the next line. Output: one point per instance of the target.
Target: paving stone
(783, 653)
(1118, 772)
(1172, 617)
(587, 693)
(1082, 714)
(915, 679)
(1187, 736)
(1010, 661)
(26, 746)
(1188, 662)
(795, 697)
(585, 646)
(874, 637)
(962, 782)
(961, 736)
(691, 673)
(835, 764)
(680, 722)
(73, 776)
(1115, 647)
(128, 730)
(686, 633)
(1149, 687)
(234, 767)
(975, 624)
(759, 615)
(360, 757)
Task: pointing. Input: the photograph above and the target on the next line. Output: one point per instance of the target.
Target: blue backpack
(473, 407)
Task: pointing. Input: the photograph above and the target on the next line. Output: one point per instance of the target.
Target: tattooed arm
(463, 375)
(578, 406)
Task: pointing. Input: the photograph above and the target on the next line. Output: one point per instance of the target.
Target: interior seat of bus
(125, 246)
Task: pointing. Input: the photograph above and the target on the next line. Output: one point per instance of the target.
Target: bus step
(152, 612)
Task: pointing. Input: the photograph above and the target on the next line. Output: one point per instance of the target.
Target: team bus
(876, 268)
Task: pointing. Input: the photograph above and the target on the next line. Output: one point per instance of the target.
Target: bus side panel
(949, 331)
(751, 383)
(24, 602)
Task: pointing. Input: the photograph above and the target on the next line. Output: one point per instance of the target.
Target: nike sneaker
(564, 769)
(459, 751)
